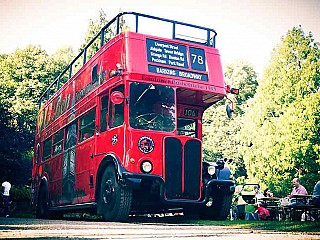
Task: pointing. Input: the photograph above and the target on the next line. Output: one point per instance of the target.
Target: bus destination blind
(175, 55)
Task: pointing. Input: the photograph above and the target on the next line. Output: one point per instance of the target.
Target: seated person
(268, 193)
(264, 213)
(258, 193)
(316, 195)
(298, 189)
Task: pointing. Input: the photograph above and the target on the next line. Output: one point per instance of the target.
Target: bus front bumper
(211, 188)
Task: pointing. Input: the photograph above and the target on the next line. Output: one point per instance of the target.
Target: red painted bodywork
(78, 96)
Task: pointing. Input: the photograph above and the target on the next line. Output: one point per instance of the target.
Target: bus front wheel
(220, 208)
(115, 201)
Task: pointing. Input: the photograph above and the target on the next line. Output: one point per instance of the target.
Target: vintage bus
(123, 134)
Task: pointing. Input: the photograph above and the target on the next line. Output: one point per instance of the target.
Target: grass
(282, 226)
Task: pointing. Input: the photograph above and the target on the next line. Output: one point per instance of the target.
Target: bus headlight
(146, 166)
(211, 170)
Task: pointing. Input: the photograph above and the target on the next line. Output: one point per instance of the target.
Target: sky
(247, 29)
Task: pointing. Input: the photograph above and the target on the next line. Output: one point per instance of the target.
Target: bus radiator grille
(182, 169)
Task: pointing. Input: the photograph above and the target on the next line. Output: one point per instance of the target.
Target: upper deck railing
(208, 41)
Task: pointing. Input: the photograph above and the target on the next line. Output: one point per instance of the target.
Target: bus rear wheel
(115, 201)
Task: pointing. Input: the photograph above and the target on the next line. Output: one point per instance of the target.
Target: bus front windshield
(152, 107)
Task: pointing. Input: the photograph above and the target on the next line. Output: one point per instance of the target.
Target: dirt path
(61, 229)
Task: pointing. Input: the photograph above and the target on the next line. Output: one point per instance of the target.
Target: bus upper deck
(187, 62)
(208, 39)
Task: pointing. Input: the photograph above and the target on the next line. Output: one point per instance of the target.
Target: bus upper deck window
(94, 74)
(37, 153)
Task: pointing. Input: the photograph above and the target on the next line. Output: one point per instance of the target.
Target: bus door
(85, 151)
(111, 136)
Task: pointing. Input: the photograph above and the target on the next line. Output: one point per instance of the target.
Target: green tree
(220, 133)
(241, 75)
(23, 77)
(280, 135)
(94, 28)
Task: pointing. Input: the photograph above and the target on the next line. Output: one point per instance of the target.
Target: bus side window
(47, 149)
(87, 125)
(103, 113)
(57, 142)
(71, 135)
(116, 111)
(94, 74)
(37, 153)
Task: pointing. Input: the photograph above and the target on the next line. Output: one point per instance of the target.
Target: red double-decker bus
(123, 135)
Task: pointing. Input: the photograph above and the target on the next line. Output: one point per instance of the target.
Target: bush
(20, 193)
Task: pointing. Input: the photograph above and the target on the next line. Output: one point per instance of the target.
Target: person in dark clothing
(316, 195)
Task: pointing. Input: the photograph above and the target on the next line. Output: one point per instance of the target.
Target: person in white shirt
(258, 193)
(6, 197)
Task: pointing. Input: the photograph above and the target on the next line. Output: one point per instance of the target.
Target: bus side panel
(84, 168)
(55, 181)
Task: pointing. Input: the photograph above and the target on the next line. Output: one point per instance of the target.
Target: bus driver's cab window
(152, 107)
(103, 113)
(116, 111)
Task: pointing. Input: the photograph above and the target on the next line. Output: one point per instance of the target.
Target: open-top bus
(123, 134)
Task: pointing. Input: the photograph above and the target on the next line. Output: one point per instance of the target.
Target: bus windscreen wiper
(151, 86)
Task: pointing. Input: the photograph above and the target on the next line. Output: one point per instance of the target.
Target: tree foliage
(221, 138)
(23, 77)
(93, 29)
(280, 136)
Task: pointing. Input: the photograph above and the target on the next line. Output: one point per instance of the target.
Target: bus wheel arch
(109, 160)
(113, 201)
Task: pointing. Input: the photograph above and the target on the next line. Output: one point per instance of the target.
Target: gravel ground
(23, 228)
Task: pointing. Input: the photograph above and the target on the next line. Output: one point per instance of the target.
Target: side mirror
(229, 109)
(117, 97)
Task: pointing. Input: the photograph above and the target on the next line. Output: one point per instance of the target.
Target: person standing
(316, 195)
(6, 197)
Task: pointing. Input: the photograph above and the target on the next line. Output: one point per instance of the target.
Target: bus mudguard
(125, 182)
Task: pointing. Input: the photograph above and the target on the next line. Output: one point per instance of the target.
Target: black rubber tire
(115, 201)
(220, 208)
(42, 211)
